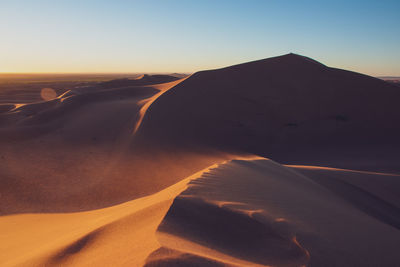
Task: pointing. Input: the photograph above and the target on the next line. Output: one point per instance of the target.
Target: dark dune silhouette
(272, 106)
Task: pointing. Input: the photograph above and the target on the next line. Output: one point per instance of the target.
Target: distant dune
(24, 88)
(277, 162)
(141, 80)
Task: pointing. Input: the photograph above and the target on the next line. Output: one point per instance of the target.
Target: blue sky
(186, 36)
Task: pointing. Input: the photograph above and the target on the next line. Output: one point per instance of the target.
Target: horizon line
(133, 73)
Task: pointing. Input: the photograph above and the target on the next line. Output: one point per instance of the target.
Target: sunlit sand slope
(123, 235)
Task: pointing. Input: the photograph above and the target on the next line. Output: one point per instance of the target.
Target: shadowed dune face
(284, 103)
(167, 257)
(232, 232)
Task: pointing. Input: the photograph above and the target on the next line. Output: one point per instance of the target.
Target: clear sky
(186, 36)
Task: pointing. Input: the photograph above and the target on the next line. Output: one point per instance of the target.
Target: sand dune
(282, 218)
(144, 79)
(287, 106)
(120, 235)
(168, 170)
(259, 213)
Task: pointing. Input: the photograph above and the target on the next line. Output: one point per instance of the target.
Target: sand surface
(277, 162)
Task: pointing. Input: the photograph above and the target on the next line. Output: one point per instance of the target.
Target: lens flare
(48, 94)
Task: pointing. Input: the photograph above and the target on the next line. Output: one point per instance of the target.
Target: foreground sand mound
(123, 235)
(259, 213)
(238, 213)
